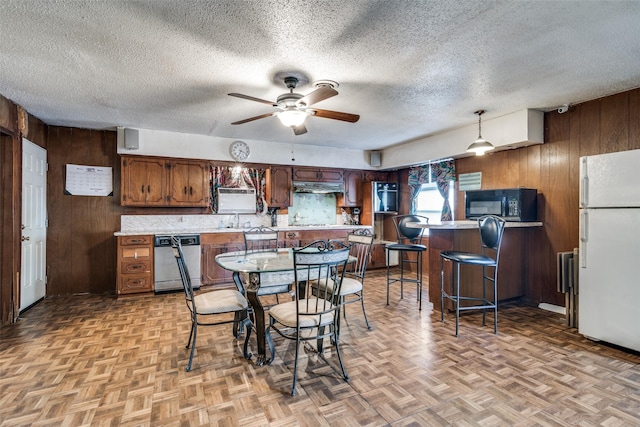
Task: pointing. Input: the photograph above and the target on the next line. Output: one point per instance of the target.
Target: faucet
(237, 220)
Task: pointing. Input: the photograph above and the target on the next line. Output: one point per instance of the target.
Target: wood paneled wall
(600, 126)
(10, 149)
(81, 248)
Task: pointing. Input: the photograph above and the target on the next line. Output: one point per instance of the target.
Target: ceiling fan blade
(300, 129)
(320, 94)
(335, 115)
(250, 119)
(251, 98)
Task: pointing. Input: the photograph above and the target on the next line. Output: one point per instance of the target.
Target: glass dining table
(259, 274)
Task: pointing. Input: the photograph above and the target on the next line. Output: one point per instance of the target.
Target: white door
(610, 180)
(608, 285)
(34, 224)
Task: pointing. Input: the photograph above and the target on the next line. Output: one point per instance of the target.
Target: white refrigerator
(609, 251)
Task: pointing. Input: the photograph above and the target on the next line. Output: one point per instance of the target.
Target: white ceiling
(410, 69)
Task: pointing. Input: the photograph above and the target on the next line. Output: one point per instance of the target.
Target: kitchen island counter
(514, 271)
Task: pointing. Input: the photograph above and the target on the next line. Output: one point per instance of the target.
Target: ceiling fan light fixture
(481, 145)
(292, 117)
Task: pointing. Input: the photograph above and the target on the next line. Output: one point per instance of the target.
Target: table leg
(252, 295)
(238, 327)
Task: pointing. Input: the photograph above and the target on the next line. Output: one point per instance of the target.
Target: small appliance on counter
(355, 215)
(274, 216)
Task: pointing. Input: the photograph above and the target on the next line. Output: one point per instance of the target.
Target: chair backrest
(184, 272)
(404, 232)
(491, 230)
(360, 243)
(260, 239)
(320, 260)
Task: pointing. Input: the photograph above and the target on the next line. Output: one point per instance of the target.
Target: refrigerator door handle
(584, 226)
(584, 182)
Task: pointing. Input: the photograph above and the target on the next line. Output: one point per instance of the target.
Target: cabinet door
(280, 187)
(212, 273)
(318, 175)
(188, 183)
(143, 182)
(378, 257)
(352, 192)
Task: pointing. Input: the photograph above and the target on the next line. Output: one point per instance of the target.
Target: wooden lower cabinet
(378, 257)
(135, 264)
(212, 245)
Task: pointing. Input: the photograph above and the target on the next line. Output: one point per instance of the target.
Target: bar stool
(409, 242)
(491, 231)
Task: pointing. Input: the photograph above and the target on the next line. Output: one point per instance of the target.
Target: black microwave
(512, 204)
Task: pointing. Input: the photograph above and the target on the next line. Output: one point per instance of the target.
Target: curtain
(418, 175)
(233, 177)
(443, 173)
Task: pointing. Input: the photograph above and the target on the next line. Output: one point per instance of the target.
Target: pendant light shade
(481, 145)
(292, 117)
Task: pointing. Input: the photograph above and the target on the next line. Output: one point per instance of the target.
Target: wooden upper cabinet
(352, 189)
(279, 189)
(318, 174)
(188, 183)
(148, 181)
(143, 181)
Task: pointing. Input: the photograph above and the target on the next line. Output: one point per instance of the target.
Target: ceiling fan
(295, 107)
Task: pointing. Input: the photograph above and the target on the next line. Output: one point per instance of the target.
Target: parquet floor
(97, 360)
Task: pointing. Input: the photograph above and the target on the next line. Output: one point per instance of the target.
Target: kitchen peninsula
(513, 272)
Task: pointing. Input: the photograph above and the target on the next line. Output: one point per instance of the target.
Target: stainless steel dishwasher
(165, 267)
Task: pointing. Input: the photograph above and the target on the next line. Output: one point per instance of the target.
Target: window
(429, 201)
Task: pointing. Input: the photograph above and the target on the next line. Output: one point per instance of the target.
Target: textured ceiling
(410, 69)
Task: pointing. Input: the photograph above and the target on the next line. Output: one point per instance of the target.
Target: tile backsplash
(310, 208)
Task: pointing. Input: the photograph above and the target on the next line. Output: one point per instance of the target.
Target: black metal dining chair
(410, 250)
(314, 313)
(260, 239)
(491, 230)
(204, 306)
(360, 243)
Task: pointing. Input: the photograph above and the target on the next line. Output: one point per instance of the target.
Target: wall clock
(239, 150)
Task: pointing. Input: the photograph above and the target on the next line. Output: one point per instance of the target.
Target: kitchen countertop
(470, 225)
(168, 232)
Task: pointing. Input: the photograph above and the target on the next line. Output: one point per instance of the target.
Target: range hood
(318, 187)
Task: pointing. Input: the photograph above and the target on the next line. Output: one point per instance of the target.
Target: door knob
(25, 238)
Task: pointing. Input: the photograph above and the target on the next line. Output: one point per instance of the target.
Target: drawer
(135, 283)
(135, 267)
(136, 240)
(136, 252)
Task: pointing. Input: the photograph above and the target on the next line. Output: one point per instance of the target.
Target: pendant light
(481, 145)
